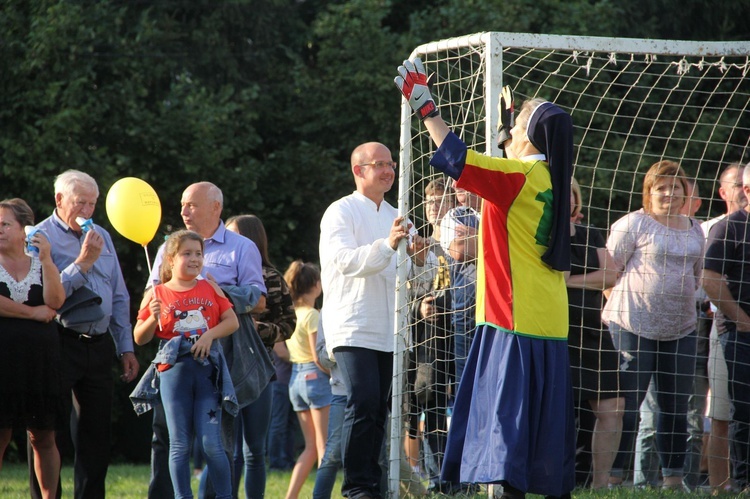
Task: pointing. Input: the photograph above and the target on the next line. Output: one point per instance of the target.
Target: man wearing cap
(518, 366)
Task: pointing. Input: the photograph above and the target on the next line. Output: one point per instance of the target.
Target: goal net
(633, 103)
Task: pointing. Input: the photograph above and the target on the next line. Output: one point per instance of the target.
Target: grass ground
(128, 481)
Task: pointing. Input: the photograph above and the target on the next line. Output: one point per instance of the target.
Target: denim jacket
(146, 393)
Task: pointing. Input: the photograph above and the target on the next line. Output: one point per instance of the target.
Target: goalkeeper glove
(507, 117)
(412, 82)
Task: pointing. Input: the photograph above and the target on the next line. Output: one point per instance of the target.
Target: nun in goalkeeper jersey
(513, 414)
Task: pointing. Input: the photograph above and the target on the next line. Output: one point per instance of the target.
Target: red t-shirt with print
(187, 313)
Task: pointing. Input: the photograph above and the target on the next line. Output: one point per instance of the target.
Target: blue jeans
(160, 484)
(672, 365)
(646, 455)
(309, 387)
(367, 377)
(250, 445)
(331, 462)
(737, 354)
(696, 415)
(646, 466)
(198, 461)
(192, 407)
(281, 432)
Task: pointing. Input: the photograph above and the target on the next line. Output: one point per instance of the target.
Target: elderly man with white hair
(87, 259)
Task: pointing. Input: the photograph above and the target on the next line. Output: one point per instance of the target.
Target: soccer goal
(633, 102)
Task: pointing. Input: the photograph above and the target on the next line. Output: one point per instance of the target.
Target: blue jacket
(146, 393)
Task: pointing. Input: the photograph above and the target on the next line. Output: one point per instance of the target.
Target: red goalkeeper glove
(412, 82)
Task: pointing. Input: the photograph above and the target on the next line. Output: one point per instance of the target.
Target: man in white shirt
(359, 235)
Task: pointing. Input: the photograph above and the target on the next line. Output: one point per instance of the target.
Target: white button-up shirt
(358, 271)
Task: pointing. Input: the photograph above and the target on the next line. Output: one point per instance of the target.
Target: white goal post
(633, 102)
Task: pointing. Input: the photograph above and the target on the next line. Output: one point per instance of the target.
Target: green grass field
(127, 481)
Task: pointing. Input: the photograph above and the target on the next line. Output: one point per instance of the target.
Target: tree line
(265, 98)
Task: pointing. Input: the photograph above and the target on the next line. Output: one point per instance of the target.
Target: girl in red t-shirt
(197, 311)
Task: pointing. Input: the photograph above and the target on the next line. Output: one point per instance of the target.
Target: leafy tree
(265, 98)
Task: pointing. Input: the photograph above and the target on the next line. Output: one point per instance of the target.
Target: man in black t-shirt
(726, 280)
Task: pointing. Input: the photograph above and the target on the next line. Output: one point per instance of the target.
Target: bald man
(359, 235)
(231, 260)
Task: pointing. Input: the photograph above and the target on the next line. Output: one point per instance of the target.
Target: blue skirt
(513, 415)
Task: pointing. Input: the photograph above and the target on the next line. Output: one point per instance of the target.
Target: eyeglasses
(381, 165)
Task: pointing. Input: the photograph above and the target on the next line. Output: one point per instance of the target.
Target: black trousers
(367, 377)
(87, 375)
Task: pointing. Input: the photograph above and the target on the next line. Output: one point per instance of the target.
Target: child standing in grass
(309, 388)
(187, 314)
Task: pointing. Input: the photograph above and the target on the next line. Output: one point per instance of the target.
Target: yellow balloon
(134, 209)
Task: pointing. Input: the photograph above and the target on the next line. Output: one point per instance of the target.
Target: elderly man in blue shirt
(233, 261)
(88, 259)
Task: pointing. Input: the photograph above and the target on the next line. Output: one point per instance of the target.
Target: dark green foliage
(265, 98)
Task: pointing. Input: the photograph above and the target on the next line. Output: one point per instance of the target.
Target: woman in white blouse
(651, 313)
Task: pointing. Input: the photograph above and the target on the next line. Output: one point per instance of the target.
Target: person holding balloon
(234, 263)
(87, 259)
(188, 315)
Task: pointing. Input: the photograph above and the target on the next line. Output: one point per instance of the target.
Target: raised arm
(413, 84)
(54, 293)
(340, 246)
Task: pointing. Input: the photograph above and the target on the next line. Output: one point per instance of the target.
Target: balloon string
(159, 316)
(148, 261)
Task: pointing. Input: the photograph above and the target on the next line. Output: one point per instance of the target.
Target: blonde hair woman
(651, 313)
